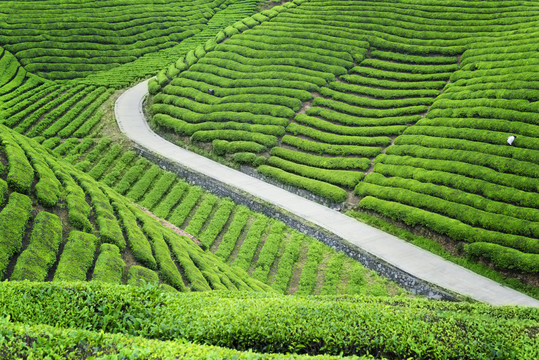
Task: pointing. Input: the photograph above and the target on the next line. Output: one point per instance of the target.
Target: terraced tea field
(67, 117)
(59, 224)
(404, 108)
(397, 111)
(74, 39)
(267, 249)
(456, 168)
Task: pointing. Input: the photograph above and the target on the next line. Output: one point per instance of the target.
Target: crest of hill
(58, 223)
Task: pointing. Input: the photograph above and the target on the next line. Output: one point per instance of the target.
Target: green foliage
(309, 272)
(446, 202)
(348, 179)
(20, 173)
(359, 127)
(130, 177)
(73, 343)
(234, 135)
(13, 219)
(247, 158)
(323, 189)
(94, 154)
(492, 194)
(137, 241)
(174, 195)
(390, 62)
(109, 266)
(143, 184)
(423, 146)
(216, 223)
(436, 248)
(197, 281)
(84, 47)
(329, 138)
(162, 78)
(167, 268)
(77, 257)
(152, 197)
(339, 117)
(35, 261)
(444, 225)
(221, 147)
(204, 210)
(351, 325)
(182, 211)
(118, 168)
(99, 169)
(321, 161)
(454, 194)
(47, 188)
(330, 149)
(140, 276)
(107, 223)
(413, 59)
(286, 263)
(77, 207)
(269, 251)
(75, 153)
(80, 118)
(251, 242)
(355, 100)
(332, 274)
(153, 87)
(503, 257)
(99, 212)
(369, 112)
(3, 192)
(239, 221)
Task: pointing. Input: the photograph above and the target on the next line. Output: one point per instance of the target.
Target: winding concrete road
(409, 258)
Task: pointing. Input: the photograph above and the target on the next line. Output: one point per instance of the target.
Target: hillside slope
(406, 106)
(455, 172)
(60, 224)
(70, 118)
(64, 40)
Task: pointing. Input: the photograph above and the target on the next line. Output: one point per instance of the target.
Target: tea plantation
(405, 108)
(397, 110)
(59, 224)
(95, 319)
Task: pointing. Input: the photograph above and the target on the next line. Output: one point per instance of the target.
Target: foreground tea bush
(392, 328)
(42, 341)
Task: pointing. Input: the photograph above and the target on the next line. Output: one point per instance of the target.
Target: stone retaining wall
(383, 268)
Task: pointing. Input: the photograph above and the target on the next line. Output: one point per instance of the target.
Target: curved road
(409, 258)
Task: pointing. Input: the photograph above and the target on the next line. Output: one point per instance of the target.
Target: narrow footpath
(407, 257)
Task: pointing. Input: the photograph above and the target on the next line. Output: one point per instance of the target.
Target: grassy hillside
(399, 107)
(455, 167)
(59, 224)
(72, 39)
(71, 117)
(404, 107)
(266, 248)
(263, 323)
